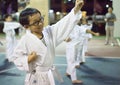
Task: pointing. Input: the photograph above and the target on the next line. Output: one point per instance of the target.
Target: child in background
(86, 37)
(9, 30)
(75, 49)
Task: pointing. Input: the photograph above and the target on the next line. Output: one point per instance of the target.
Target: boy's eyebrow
(37, 20)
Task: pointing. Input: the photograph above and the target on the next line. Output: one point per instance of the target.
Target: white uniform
(45, 49)
(74, 50)
(9, 30)
(86, 36)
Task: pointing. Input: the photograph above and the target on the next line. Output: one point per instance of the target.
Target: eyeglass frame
(37, 22)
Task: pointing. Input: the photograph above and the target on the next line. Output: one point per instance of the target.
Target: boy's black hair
(6, 16)
(24, 15)
(80, 21)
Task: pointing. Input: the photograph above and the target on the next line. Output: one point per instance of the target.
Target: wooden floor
(97, 47)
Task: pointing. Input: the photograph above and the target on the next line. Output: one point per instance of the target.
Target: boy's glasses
(37, 22)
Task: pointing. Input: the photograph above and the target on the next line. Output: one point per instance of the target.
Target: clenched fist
(78, 5)
(32, 57)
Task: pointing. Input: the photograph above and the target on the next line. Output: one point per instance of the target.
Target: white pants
(72, 59)
(10, 45)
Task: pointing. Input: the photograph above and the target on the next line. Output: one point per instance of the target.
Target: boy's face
(9, 19)
(36, 23)
(84, 21)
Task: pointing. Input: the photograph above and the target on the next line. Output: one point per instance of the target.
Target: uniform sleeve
(20, 56)
(62, 28)
(10, 26)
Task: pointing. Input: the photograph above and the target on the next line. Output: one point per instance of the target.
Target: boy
(36, 50)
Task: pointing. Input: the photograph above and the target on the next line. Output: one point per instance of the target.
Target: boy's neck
(39, 35)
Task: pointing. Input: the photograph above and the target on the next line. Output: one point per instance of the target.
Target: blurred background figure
(9, 30)
(110, 18)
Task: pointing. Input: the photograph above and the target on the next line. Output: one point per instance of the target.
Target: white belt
(49, 70)
(52, 71)
(43, 69)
